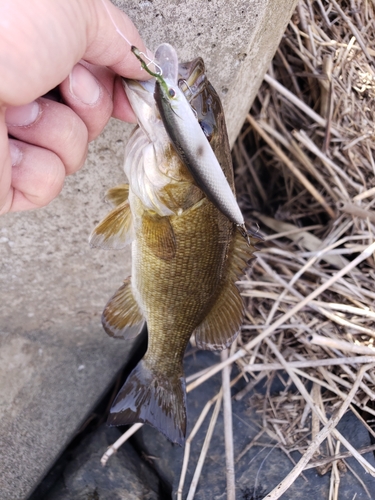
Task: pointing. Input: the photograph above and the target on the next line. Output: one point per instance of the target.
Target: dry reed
(306, 164)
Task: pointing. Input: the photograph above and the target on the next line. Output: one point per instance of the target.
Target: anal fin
(122, 317)
(222, 324)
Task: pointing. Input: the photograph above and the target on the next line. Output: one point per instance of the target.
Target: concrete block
(55, 360)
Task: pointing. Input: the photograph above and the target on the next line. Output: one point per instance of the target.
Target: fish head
(141, 94)
(151, 163)
(207, 106)
(192, 80)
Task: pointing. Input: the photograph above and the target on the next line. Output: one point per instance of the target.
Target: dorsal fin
(223, 322)
(122, 316)
(115, 231)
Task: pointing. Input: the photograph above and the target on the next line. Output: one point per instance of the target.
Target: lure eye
(172, 92)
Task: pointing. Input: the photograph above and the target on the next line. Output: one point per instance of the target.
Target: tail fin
(153, 398)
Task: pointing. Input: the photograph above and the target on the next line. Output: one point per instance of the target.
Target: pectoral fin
(122, 317)
(115, 231)
(117, 194)
(159, 235)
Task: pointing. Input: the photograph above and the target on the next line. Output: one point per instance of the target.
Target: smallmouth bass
(186, 255)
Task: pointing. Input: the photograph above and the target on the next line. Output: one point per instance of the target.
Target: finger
(53, 126)
(5, 166)
(37, 177)
(57, 36)
(114, 84)
(89, 98)
(110, 40)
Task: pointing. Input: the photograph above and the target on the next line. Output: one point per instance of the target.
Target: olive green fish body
(178, 287)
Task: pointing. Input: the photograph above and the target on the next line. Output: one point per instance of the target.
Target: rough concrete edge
(248, 89)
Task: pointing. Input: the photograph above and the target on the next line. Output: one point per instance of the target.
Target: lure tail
(151, 397)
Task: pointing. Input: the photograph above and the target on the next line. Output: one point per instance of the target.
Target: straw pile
(306, 165)
(308, 155)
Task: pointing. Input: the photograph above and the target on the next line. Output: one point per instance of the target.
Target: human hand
(41, 44)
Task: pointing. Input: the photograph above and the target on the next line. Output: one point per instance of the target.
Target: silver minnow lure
(188, 138)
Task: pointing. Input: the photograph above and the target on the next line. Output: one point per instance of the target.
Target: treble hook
(242, 229)
(180, 82)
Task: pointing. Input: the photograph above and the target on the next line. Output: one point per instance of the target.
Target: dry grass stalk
(228, 429)
(290, 165)
(204, 450)
(189, 440)
(117, 444)
(342, 345)
(340, 456)
(335, 478)
(329, 427)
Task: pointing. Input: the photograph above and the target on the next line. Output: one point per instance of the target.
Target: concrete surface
(55, 360)
(237, 40)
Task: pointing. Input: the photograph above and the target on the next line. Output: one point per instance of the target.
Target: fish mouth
(138, 93)
(140, 86)
(198, 91)
(194, 84)
(192, 78)
(201, 96)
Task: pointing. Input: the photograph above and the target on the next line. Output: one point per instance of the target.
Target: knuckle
(73, 142)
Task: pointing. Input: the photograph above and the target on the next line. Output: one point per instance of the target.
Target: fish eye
(171, 92)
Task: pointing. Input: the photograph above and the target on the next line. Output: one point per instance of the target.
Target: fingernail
(21, 116)
(83, 85)
(15, 154)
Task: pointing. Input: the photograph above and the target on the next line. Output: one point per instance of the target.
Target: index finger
(111, 36)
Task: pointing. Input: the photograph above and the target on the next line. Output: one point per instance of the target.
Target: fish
(186, 254)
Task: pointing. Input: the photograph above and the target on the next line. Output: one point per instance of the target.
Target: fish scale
(176, 304)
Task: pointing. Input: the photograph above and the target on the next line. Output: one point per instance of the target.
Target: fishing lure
(188, 137)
